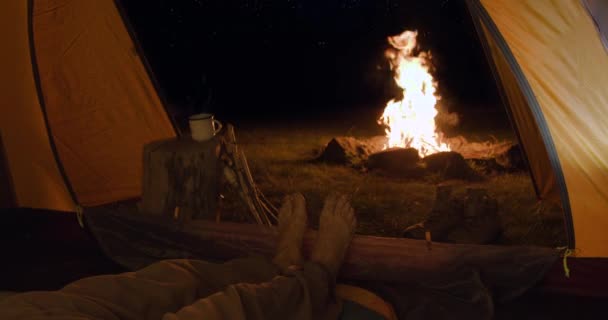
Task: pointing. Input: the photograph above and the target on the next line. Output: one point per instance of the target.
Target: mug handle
(217, 126)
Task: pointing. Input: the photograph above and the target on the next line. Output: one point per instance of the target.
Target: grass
(280, 160)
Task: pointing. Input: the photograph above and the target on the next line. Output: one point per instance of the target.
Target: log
(181, 178)
(135, 240)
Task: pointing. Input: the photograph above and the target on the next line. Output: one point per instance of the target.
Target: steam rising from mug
(203, 127)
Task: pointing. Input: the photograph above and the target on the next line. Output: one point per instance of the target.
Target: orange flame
(410, 121)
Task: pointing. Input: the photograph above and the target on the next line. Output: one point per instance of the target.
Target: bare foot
(336, 227)
(292, 224)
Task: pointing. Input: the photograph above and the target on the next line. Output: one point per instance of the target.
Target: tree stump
(480, 223)
(181, 178)
(445, 214)
(473, 220)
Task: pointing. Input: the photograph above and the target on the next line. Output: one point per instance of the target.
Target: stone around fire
(450, 165)
(398, 162)
(350, 151)
(512, 159)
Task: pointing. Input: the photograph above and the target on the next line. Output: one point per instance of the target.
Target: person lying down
(288, 287)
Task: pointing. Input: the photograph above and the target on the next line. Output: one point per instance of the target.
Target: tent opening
(307, 99)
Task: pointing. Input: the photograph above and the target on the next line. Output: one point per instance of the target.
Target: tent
(550, 61)
(79, 102)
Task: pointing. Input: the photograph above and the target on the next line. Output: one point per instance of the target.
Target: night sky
(314, 56)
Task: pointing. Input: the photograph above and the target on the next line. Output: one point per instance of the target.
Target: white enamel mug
(203, 126)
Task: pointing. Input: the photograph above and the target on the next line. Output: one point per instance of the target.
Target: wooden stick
(251, 186)
(235, 164)
(246, 194)
(274, 209)
(260, 208)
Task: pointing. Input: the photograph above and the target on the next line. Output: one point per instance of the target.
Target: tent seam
(41, 102)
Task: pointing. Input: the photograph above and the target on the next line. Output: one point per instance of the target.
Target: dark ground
(45, 250)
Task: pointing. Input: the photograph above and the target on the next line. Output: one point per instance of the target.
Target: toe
(353, 218)
(299, 204)
(286, 208)
(330, 204)
(343, 205)
(298, 197)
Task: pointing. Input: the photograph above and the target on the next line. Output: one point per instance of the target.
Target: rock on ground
(486, 166)
(405, 163)
(349, 151)
(512, 159)
(344, 150)
(450, 165)
(397, 162)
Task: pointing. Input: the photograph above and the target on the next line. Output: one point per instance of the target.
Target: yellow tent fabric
(561, 55)
(528, 130)
(36, 180)
(101, 105)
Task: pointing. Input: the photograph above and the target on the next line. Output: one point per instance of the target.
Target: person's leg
(164, 286)
(300, 292)
(149, 293)
(169, 285)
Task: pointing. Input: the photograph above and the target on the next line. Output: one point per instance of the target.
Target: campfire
(410, 119)
(413, 146)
